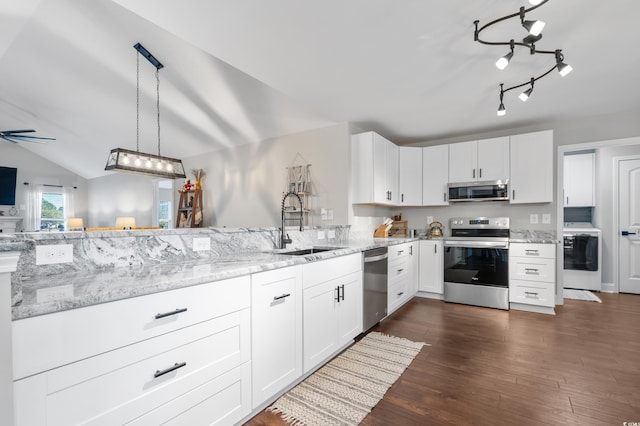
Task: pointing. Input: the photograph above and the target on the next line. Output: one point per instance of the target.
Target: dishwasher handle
(376, 258)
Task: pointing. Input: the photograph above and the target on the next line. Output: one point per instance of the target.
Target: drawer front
(121, 385)
(398, 268)
(543, 270)
(398, 251)
(529, 293)
(547, 251)
(69, 336)
(324, 270)
(397, 293)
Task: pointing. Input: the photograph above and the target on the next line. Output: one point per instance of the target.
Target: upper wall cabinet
(374, 169)
(435, 175)
(579, 180)
(486, 159)
(410, 175)
(532, 168)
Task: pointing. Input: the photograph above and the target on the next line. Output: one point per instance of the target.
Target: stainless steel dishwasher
(375, 287)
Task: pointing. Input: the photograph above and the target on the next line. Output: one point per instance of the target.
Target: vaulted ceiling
(242, 71)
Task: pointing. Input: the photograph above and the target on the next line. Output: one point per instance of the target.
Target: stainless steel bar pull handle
(444, 197)
(531, 252)
(337, 298)
(174, 367)
(281, 297)
(342, 287)
(168, 314)
(530, 294)
(531, 271)
(480, 170)
(513, 196)
(474, 173)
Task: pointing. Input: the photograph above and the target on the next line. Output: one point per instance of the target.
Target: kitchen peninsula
(134, 305)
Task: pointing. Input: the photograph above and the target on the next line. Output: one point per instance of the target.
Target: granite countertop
(61, 292)
(533, 236)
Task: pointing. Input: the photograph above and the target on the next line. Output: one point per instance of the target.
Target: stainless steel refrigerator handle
(375, 258)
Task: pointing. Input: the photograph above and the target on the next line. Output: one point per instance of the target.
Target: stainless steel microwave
(495, 190)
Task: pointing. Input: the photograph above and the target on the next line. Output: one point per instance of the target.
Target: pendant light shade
(124, 160)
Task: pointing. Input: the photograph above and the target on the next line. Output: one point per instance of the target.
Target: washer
(582, 256)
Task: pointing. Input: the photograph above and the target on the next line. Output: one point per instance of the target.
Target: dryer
(582, 256)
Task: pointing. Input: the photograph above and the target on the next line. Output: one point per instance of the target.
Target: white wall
(244, 185)
(37, 170)
(121, 194)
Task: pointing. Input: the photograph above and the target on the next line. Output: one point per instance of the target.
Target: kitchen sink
(312, 250)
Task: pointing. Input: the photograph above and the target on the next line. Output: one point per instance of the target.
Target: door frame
(561, 150)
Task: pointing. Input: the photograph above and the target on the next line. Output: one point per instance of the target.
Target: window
(164, 214)
(52, 216)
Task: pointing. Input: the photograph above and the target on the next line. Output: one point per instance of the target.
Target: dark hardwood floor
(492, 367)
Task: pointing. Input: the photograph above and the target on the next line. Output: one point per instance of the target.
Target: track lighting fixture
(534, 35)
(525, 95)
(504, 61)
(501, 109)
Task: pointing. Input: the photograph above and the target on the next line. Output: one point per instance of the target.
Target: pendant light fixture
(125, 160)
(534, 28)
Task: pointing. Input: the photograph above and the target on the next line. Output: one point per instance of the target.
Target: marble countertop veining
(54, 293)
(533, 236)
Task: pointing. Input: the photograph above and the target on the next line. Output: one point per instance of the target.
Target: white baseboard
(608, 288)
(428, 295)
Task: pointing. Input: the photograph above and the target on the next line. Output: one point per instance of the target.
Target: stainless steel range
(476, 262)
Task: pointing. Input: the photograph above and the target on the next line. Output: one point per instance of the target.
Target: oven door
(483, 263)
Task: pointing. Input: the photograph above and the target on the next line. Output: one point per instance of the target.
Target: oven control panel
(480, 223)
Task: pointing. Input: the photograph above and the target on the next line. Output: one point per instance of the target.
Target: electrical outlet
(202, 243)
(546, 218)
(320, 235)
(54, 253)
(533, 218)
(323, 214)
(331, 233)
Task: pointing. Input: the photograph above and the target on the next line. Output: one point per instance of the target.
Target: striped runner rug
(346, 389)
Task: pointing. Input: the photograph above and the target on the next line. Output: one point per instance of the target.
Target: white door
(629, 223)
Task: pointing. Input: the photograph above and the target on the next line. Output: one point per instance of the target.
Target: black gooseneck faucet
(284, 239)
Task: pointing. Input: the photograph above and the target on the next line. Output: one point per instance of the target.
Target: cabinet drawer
(398, 268)
(533, 250)
(398, 251)
(397, 294)
(318, 272)
(531, 270)
(119, 386)
(530, 293)
(72, 335)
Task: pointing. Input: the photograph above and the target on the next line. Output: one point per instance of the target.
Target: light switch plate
(201, 244)
(533, 218)
(546, 218)
(331, 233)
(54, 253)
(330, 214)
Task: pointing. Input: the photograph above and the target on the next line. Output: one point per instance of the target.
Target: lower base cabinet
(199, 374)
(431, 267)
(332, 307)
(532, 275)
(276, 331)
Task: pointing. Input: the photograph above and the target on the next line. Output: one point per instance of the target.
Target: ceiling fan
(15, 136)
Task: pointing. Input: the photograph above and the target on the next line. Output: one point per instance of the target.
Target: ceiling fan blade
(17, 131)
(18, 139)
(31, 137)
(2, 136)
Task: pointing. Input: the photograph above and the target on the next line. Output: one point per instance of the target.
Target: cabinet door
(493, 159)
(579, 180)
(276, 331)
(532, 168)
(410, 175)
(393, 162)
(463, 161)
(380, 170)
(431, 266)
(435, 175)
(349, 307)
(320, 323)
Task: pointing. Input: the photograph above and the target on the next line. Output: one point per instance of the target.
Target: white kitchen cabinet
(431, 267)
(276, 331)
(532, 282)
(332, 307)
(410, 176)
(435, 175)
(579, 180)
(414, 267)
(532, 168)
(482, 160)
(401, 267)
(159, 361)
(374, 169)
